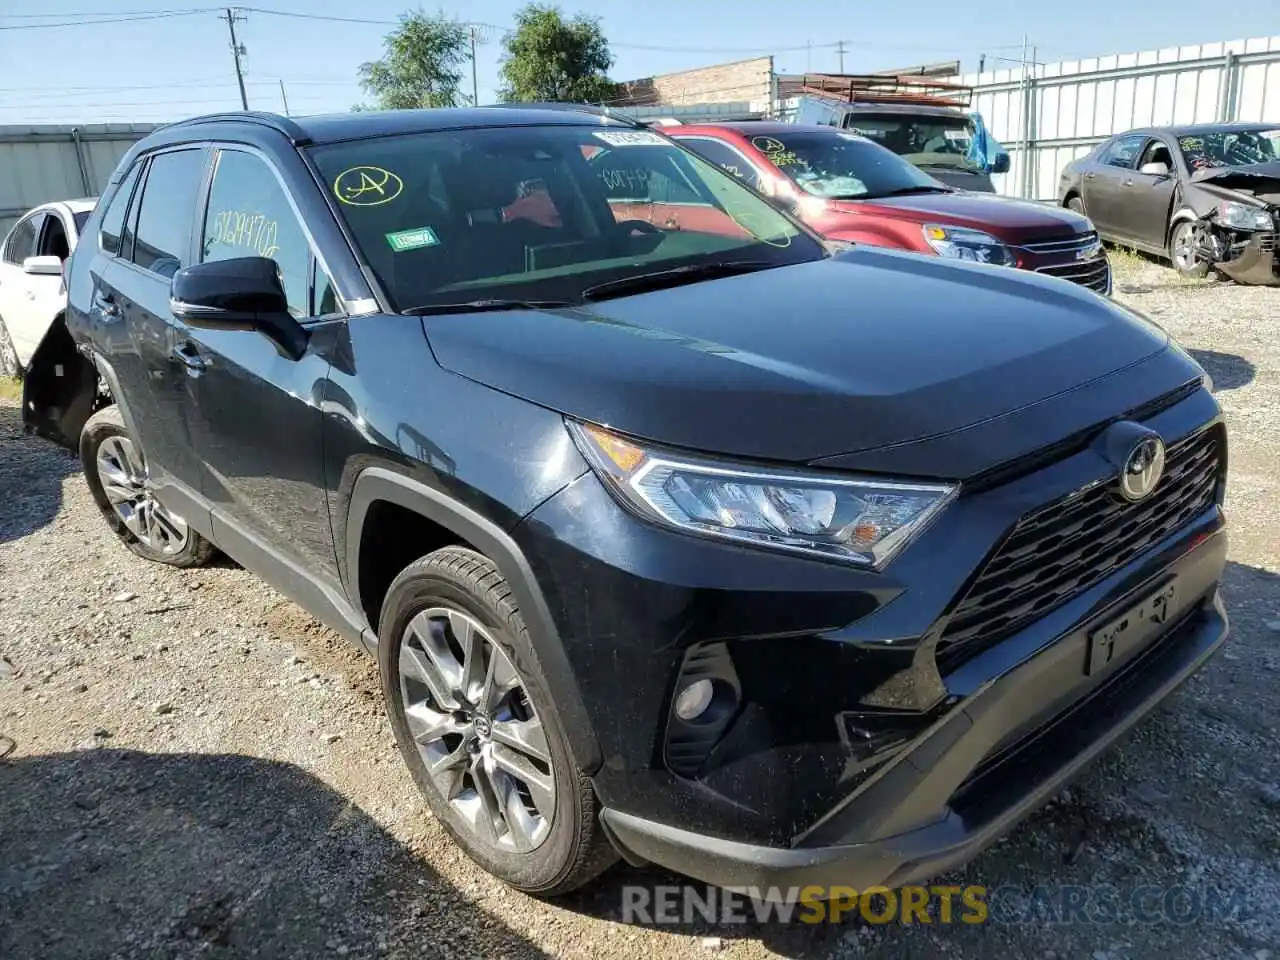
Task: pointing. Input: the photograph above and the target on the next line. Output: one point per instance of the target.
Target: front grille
(1094, 274)
(1072, 244)
(1267, 242)
(1057, 552)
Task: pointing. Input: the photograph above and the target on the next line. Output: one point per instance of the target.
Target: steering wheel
(641, 226)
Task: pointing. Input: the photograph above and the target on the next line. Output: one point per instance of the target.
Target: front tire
(478, 729)
(1076, 205)
(117, 476)
(1183, 243)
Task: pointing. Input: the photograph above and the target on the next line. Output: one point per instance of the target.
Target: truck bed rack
(880, 88)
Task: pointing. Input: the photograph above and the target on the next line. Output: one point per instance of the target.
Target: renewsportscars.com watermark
(935, 904)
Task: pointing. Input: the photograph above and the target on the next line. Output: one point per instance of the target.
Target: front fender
(381, 484)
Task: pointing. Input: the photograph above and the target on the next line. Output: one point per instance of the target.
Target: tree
(551, 58)
(422, 65)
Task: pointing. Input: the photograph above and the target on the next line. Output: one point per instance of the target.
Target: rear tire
(502, 781)
(117, 476)
(10, 365)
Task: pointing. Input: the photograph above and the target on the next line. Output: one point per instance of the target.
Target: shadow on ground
(125, 854)
(1229, 372)
(31, 475)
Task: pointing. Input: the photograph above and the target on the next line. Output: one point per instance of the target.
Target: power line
(106, 20)
(156, 103)
(99, 13)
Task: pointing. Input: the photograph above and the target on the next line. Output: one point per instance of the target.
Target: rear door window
(168, 206)
(113, 219)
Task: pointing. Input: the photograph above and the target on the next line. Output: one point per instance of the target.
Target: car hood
(855, 352)
(1016, 221)
(960, 178)
(1255, 177)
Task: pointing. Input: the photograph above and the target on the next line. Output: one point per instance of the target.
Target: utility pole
(475, 83)
(1024, 174)
(840, 52)
(284, 99)
(236, 52)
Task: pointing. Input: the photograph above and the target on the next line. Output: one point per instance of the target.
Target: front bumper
(1257, 264)
(978, 809)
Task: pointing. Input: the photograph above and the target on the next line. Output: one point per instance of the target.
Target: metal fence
(1056, 112)
(48, 162)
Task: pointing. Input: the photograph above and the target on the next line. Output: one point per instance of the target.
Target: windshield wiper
(674, 277)
(904, 191)
(484, 306)
(963, 166)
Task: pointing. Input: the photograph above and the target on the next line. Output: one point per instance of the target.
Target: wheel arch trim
(381, 484)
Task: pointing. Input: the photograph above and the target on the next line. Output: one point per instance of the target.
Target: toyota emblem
(1142, 469)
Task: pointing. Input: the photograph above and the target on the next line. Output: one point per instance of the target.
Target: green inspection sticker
(412, 239)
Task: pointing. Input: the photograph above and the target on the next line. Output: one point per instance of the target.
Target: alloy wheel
(1185, 256)
(124, 481)
(482, 742)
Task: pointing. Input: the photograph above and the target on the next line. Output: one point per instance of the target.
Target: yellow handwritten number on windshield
(367, 186)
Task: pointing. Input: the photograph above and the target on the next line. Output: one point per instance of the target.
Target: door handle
(106, 304)
(1128, 183)
(31, 294)
(187, 355)
(1090, 176)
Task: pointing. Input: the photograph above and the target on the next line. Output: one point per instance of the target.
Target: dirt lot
(196, 768)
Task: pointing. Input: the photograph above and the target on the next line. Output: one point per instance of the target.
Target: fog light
(694, 699)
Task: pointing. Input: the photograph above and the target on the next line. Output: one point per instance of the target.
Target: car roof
(748, 128)
(367, 124)
(1185, 129)
(78, 205)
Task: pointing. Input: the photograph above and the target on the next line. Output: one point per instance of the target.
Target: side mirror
(1156, 169)
(42, 266)
(244, 293)
(1001, 163)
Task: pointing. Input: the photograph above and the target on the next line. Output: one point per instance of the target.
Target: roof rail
(589, 109)
(297, 136)
(883, 88)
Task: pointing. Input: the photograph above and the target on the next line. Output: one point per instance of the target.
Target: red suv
(848, 188)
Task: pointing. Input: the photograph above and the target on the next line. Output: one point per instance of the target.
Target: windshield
(1230, 148)
(544, 213)
(834, 165)
(924, 140)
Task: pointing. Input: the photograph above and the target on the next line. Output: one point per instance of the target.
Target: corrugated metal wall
(43, 163)
(1075, 104)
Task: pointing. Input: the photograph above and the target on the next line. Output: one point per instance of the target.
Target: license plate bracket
(1134, 626)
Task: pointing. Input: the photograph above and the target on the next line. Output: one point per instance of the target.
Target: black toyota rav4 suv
(677, 535)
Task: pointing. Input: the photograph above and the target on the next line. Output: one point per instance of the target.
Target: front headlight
(1240, 216)
(961, 243)
(856, 520)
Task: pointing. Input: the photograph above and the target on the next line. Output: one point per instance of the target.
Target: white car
(31, 292)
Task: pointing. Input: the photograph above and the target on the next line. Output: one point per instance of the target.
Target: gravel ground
(197, 768)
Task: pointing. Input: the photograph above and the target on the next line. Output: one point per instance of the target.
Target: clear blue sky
(157, 69)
